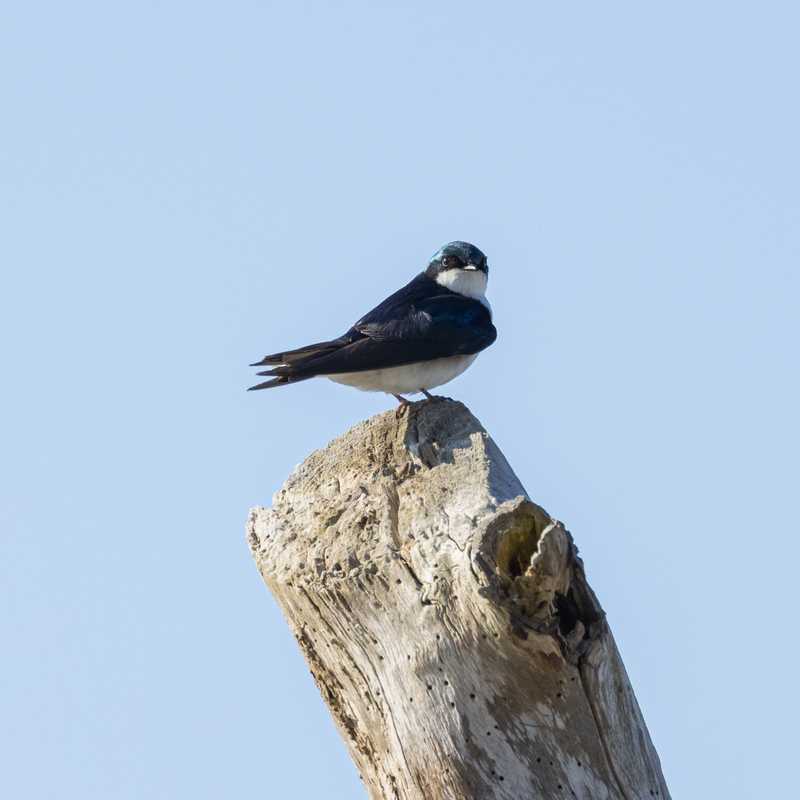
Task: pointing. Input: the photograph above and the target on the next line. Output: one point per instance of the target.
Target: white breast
(409, 378)
(467, 282)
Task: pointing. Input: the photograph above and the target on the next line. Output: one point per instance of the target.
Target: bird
(419, 338)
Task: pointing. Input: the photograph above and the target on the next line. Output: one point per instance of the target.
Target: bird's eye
(451, 262)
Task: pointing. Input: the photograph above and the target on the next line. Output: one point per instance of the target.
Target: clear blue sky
(186, 186)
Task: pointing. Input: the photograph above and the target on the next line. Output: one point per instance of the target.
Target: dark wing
(443, 325)
(310, 350)
(420, 322)
(403, 301)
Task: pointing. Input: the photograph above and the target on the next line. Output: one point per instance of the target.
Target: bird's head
(460, 267)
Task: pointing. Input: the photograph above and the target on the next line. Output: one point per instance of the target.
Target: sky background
(187, 186)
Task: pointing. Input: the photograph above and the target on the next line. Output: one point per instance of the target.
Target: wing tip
(266, 360)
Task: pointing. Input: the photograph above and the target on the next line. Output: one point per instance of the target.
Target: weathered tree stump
(447, 620)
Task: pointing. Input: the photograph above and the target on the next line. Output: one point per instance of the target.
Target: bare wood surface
(447, 620)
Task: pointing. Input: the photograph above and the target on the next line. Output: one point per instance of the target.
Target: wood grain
(447, 620)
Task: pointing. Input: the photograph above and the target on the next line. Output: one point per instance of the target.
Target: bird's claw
(402, 408)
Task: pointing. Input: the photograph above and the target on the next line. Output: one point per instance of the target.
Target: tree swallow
(421, 337)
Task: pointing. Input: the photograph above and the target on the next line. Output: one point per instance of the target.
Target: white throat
(468, 282)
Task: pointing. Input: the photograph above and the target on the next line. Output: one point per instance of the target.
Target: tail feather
(294, 365)
(289, 372)
(283, 380)
(294, 355)
(268, 384)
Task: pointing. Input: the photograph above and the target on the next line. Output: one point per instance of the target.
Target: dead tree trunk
(447, 620)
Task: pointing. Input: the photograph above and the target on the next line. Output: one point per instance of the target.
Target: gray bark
(447, 620)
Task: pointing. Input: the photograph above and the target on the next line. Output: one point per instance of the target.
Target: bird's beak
(471, 266)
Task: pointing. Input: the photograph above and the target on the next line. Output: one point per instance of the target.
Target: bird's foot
(428, 394)
(402, 408)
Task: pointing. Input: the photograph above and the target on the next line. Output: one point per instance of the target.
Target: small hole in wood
(472, 697)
